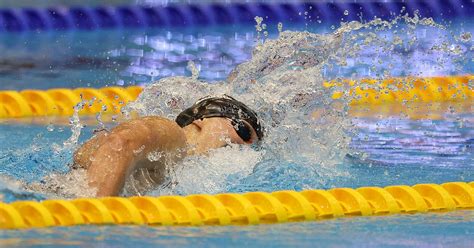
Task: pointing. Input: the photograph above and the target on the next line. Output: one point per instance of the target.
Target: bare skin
(110, 157)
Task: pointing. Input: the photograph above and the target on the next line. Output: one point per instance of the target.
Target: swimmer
(110, 157)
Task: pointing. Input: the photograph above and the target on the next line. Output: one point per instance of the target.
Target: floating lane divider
(172, 15)
(239, 209)
(55, 102)
(406, 89)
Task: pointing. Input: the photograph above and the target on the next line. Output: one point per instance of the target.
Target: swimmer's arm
(110, 157)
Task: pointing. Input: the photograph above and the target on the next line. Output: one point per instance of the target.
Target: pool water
(421, 230)
(398, 151)
(383, 151)
(43, 60)
(119, 57)
(387, 151)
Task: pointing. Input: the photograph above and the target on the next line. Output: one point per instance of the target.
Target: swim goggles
(239, 114)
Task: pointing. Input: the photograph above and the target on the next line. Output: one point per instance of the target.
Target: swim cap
(225, 106)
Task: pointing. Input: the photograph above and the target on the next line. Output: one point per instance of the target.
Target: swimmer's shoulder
(157, 121)
(148, 121)
(159, 128)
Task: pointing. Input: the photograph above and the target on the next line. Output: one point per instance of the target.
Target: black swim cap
(220, 107)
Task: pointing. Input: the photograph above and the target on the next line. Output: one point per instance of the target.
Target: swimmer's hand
(110, 157)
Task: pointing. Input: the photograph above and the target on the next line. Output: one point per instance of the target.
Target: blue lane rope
(89, 18)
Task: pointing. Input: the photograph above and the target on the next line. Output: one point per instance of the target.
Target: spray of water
(307, 132)
(283, 81)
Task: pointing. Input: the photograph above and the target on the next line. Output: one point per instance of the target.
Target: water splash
(259, 27)
(308, 132)
(284, 82)
(69, 185)
(76, 127)
(194, 70)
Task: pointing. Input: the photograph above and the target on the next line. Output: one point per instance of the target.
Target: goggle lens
(242, 129)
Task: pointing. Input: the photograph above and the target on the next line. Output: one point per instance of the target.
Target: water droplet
(154, 156)
(50, 127)
(465, 36)
(194, 70)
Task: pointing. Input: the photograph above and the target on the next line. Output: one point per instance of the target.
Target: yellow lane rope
(406, 89)
(239, 209)
(55, 102)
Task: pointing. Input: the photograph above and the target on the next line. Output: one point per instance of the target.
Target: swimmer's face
(210, 133)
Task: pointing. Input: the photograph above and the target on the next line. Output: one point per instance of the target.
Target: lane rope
(61, 102)
(185, 15)
(54, 102)
(239, 209)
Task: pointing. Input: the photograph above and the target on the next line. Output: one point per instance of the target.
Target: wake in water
(307, 132)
